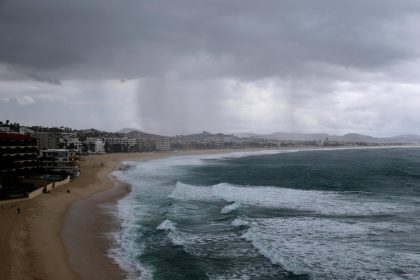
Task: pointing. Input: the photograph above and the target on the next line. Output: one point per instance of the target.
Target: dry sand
(62, 235)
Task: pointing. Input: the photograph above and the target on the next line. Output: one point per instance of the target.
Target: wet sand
(85, 233)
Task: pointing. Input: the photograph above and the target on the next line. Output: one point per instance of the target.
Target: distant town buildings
(120, 144)
(46, 140)
(207, 140)
(74, 144)
(145, 144)
(59, 161)
(42, 153)
(25, 130)
(95, 145)
(4, 129)
(163, 144)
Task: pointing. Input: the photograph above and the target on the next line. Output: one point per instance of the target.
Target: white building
(58, 160)
(120, 144)
(99, 146)
(124, 141)
(96, 145)
(25, 130)
(4, 129)
(163, 144)
(75, 144)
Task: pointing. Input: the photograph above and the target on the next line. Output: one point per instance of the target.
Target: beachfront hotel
(18, 153)
(18, 158)
(46, 140)
(59, 161)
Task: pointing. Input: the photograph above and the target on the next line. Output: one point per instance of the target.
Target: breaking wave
(330, 249)
(321, 202)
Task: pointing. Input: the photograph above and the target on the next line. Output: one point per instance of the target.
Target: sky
(182, 66)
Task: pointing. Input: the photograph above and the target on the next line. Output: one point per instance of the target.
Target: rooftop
(14, 136)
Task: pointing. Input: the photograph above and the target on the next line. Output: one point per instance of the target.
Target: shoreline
(33, 242)
(85, 232)
(94, 240)
(89, 221)
(63, 235)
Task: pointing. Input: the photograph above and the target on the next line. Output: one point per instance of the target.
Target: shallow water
(323, 214)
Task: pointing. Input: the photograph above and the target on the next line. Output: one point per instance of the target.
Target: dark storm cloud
(243, 39)
(179, 66)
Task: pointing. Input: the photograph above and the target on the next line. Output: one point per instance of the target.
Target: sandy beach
(63, 235)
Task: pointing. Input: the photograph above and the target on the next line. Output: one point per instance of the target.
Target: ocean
(289, 214)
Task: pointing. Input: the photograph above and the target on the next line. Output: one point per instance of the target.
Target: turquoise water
(323, 214)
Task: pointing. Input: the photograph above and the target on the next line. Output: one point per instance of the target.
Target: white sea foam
(230, 277)
(240, 222)
(175, 236)
(206, 244)
(167, 225)
(328, 249)
(323, 202)
(230, 208)
(125, 248)
(177, 239)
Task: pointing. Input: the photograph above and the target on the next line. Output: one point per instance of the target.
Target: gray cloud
(243, 39)
(295, 65)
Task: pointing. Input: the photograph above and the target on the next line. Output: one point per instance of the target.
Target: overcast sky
(173, 66)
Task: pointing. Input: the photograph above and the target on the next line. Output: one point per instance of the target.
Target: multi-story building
(18, 154)
(163, 144)
(95, 145)
(18, 160)
(121, 141)
(122, 144)
(207, 140)
(74, 144)
(46, 140)
(59, 160)
(146, 144)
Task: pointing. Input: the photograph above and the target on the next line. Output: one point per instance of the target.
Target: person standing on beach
(18, 210)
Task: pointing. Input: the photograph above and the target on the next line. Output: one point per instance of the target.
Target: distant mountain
(354, 137)
(349, 138)
(282, 136)
(298, 136)
(135, 133)
(141, 134)
(400, 139)
(126, 130)
(246, 134)
(205, 135)
(411, 138)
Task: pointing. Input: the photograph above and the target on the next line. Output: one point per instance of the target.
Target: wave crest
(167, 225)
(230, 208)
(322, 202)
